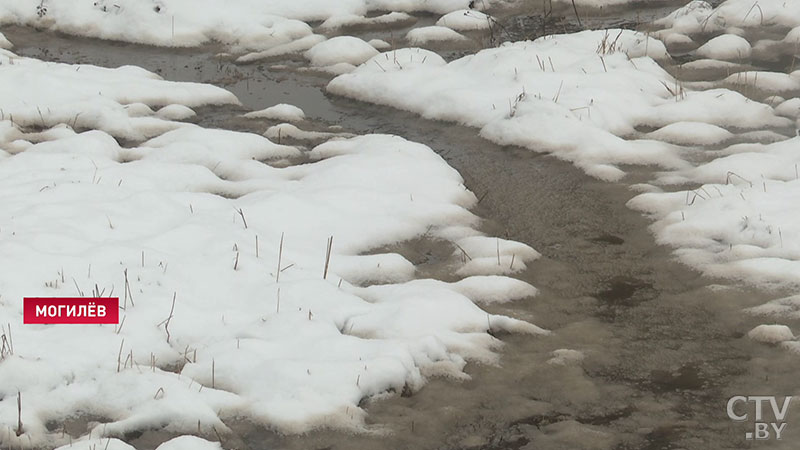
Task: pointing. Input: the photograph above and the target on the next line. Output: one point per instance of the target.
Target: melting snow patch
(5, 43)
(117, 101)
(340, 49)
(189, 443)
(736, 224)
(691, 133)
(771, 334)
(570, 95)
(424, 35)
(727, 47)
(466, 20)
(230, 271)
(281, 111)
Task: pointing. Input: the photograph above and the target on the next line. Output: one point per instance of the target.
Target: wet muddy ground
(664, 348)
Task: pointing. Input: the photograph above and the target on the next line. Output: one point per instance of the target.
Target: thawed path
(663, 347)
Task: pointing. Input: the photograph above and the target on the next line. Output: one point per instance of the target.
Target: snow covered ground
(254, 276)
(251, 286)
(738, 220)
(585, 97)
(607, 99)
(246, 25)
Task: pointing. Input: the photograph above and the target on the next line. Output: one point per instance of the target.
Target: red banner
(58, 310)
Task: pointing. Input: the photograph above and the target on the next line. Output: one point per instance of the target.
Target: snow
(691, 133)
(789, 108)
(296, 46)
(4, 43)
(340, 49)
(677, 39)
(727, 47)
(566, 94)
(424, 35)
(354, 20)
(91, 444)
(116, 101)
(176, 112)
(205, 230)
(732, 16)
(189, 443)
(178, 443)
(181, 23)
(379, 44)
(466, 20)
(281, 111)
(287, 130)
(771, 334)
(736, 223)
(244, 25)
(770, 82)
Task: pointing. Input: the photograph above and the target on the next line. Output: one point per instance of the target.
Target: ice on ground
(281, 111)
(728, 47)
(466, 20)
(582, 96)
(230, 271)
(340, 49)
(771, 334)
(424, 35)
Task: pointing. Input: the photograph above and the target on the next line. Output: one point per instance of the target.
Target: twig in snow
(19, 413)
(327, 258)
(119, 355)
(241, 213)
(280, 256)
(730, 174)
(166, 321)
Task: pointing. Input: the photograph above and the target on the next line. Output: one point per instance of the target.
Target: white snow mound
(771, 334)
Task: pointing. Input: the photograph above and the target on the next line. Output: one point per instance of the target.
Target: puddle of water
(663, 349)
